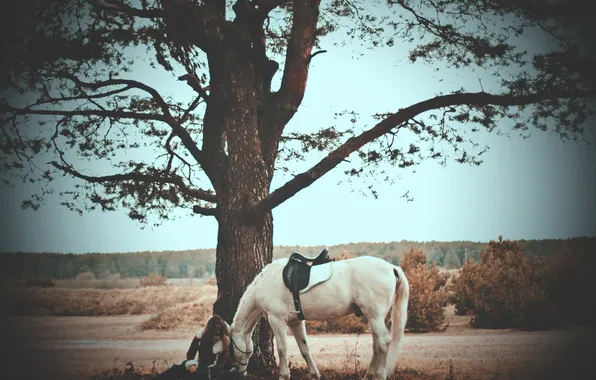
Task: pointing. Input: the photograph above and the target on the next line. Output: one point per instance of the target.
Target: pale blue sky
(525, 189)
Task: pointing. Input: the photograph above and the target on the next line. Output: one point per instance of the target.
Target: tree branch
(305, 179)
(264, 7)
(300, 44)
(199, 194)
(167, 117)
(315, 54)
(87, 112)
(193, 82)
(112, 6)
(284, 103)
(199, 24)
(207, 211)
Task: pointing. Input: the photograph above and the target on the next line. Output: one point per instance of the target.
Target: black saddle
(296, 274)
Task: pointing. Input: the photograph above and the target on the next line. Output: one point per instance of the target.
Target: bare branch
(207, 211)
(193, 82)
(171, 151)
(305, 179)
(200, 194)
(315, 54)
(195, 103)
(177, 128)
(116, 114)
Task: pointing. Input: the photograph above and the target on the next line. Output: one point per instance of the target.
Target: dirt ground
(78, 347)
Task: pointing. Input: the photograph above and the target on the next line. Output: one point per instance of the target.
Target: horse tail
(399, 316)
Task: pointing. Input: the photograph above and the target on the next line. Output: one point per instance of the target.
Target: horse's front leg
(279, 328)
(299, 332)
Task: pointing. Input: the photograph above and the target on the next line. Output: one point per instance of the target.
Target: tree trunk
(245, 240)
(242, 251)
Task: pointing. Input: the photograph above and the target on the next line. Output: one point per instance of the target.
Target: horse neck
(247, 315)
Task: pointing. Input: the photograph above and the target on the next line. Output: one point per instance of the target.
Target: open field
(78, 329)
(78, 301)
(78, 347)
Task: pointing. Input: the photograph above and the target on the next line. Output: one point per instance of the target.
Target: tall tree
(71, 97)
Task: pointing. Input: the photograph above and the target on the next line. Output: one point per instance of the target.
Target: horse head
(241, 349)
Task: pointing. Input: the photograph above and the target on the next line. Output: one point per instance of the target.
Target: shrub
(85, 276)
(569, 277)
(350, 324)
(462, 289)
(428, 293)
(412, 258)
(504, 290)
(105, 275)
(211, 281)
(153, 279)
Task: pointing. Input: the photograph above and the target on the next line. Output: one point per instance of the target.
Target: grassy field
(84, 329)
(91, 298)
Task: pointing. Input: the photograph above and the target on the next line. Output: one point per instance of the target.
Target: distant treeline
(201, 262)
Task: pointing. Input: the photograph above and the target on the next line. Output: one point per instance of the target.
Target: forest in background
(200, 263)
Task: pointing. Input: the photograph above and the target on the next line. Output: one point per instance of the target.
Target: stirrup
(297, 307)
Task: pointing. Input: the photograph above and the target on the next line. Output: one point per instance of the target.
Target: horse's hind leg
(279, 328)
(299, 332)
(381, 342)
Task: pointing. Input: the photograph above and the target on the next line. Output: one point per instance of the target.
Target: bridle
(231, 356)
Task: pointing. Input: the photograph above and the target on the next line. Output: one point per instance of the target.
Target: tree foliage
(71, 95)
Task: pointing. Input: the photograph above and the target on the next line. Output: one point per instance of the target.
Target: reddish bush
(504, 290)
(428, 293)
(412, 258)
(350, 324)
(153, 279)
(569, 279)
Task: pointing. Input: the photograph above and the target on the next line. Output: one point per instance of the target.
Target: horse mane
(248, 291)
(214, 333)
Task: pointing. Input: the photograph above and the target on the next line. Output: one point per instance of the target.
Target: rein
(234, 361)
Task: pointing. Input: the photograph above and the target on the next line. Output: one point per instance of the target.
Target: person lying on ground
(211, 344)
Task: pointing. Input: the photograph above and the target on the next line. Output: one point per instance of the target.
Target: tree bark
(242, 251)
(245, 240)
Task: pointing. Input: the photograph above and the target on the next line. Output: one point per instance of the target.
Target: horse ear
(228, 328)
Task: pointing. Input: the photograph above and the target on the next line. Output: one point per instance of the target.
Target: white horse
(364, 284)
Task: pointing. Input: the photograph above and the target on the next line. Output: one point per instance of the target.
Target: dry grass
(94, 302)
(185, 317)
(114, 282)
(153, 279)
(350, 324)
(347, 367)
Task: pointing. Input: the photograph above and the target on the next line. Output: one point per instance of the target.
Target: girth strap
(296, 294)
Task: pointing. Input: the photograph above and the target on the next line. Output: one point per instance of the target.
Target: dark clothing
(175, 372)
(193, 349)
(179, 371)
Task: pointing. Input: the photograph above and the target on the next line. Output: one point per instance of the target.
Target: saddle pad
(318, 274)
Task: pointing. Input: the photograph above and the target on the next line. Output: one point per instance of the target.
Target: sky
(535, 188)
